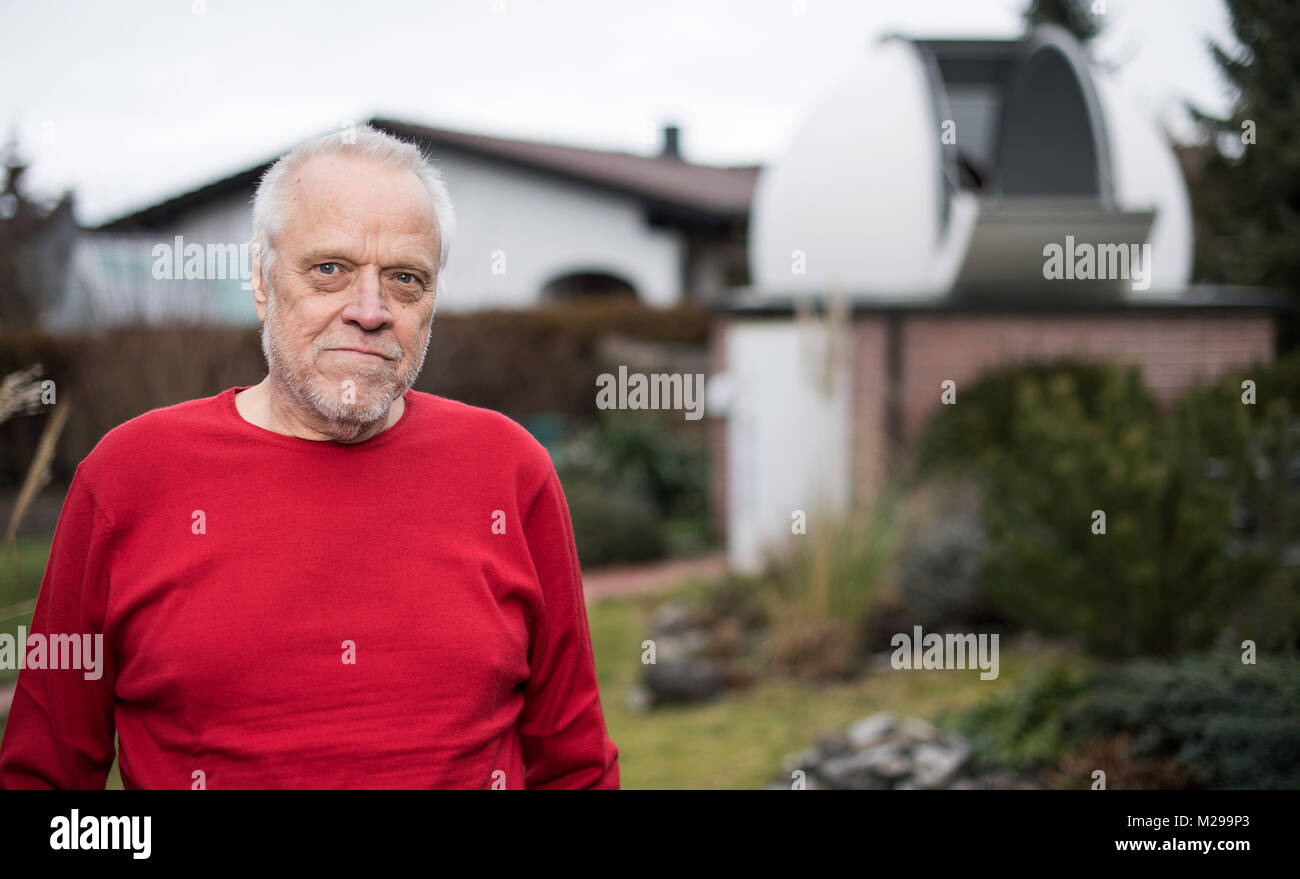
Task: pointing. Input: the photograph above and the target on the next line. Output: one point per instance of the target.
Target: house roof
(674, 187)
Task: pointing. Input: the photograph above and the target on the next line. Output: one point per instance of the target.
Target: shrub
(813, 648)
(1159, 578)
(651, 477)
(821, 594)
(1202, 721)
(1026, 728)
(611, 527)
(939, 571)
(641, 454)
(1202, 503)
(837, 569)
(961, 438)
(1256, 450)
(1124, 770)
(1226, 724)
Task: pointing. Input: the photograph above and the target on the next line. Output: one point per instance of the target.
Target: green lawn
(738, 742)
(19, 583)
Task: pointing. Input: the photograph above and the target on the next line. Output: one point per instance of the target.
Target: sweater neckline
(262, 434)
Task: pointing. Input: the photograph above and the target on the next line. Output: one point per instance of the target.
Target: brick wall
(870, 400)
(1174, 350)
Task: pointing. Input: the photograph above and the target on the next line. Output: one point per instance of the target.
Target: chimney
(670, 150)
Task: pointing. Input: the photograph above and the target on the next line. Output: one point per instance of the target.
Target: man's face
(355, 269)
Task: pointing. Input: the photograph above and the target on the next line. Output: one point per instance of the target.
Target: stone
(832, 745)
(680, 647)
(936, 765)
(639, 699)
(916, 730)
(872, 729)
(898, 754)
(867, 769)
(682, 681)
(673, 617)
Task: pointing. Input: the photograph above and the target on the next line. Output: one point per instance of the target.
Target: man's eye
(405, 278)
(327, 268)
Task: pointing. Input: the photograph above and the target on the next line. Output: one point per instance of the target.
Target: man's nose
(367, 307)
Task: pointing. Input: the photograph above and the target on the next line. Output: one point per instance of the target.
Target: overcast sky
(132, 101)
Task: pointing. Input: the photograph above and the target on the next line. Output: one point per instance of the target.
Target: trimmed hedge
(522, 363)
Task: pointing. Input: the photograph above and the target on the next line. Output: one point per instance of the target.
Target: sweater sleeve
(562, 728)
(59, 733)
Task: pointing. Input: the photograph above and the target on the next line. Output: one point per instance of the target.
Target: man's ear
(255, 277)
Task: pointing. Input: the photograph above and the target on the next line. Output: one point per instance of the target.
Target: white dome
(1146, 176)
(867, 198)
(858, 190)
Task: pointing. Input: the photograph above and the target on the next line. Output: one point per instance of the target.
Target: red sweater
(283, 613)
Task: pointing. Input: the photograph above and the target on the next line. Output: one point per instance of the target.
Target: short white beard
(344, 420)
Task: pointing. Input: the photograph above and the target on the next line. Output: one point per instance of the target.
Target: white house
(536, 221)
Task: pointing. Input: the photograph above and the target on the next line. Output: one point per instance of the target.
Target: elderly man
(326, 580)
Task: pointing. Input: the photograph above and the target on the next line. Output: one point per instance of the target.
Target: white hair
(364, 141)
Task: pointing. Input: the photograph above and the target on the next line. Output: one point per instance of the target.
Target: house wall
(534, 226)
(112, 278)
(546, 227)
(788, 436)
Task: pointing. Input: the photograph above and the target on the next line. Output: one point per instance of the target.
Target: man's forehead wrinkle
(324, 174)
(365, 210)
(394, 232)
(361, 211)
(389, 248)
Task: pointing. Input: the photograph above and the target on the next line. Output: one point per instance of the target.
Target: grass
(19, 584)
(738, 741)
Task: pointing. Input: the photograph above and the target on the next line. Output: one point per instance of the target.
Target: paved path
(618, 580)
